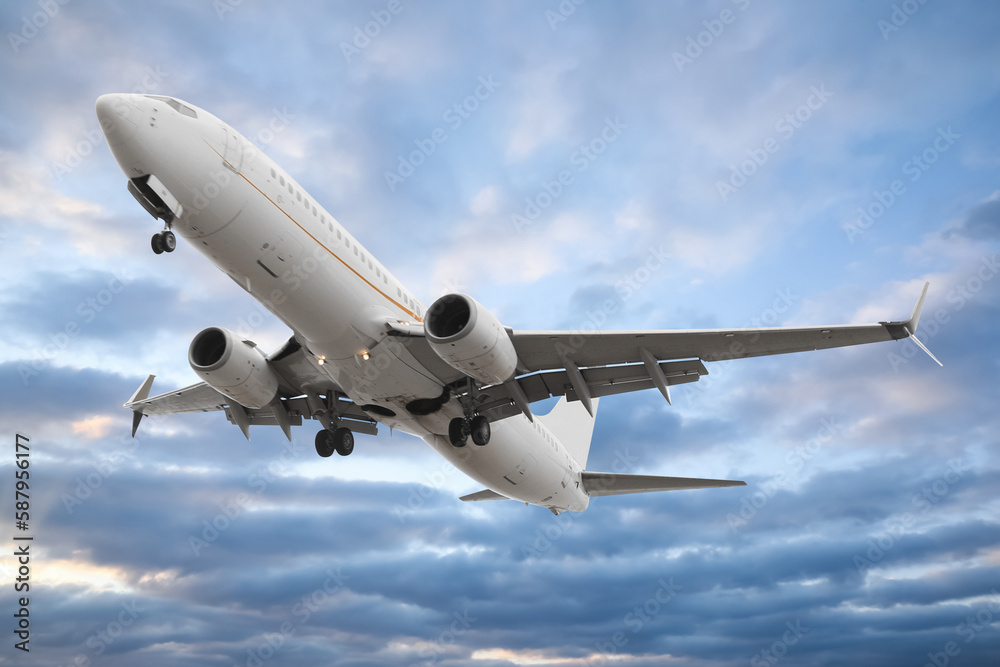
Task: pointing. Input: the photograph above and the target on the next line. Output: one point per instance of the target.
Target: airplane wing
(583, 365)
(196, 398)
(289, 409)
(542, 350)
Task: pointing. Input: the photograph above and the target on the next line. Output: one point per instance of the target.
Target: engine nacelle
(234, 367)
(470, 339)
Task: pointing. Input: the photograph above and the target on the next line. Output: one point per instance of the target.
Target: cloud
(95, 427)
(542, 109)
(869, 519)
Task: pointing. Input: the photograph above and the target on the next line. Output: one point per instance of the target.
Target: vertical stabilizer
(573, 426)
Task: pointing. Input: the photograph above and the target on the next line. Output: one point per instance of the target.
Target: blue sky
(716, 164)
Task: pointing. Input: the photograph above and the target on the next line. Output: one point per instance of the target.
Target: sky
(572, 165)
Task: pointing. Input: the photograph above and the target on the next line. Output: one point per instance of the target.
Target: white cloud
(485, 202)
(543, 109)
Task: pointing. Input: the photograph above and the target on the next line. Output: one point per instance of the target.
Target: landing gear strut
(340, 440)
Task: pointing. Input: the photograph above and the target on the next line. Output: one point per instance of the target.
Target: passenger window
(281, 179)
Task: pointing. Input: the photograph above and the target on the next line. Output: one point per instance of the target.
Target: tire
(157, 244)
(458, 432)
(324, 443)
(480, 428)
(344, 441)
(169, 241)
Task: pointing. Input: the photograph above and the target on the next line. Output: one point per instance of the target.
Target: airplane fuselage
(253, 221)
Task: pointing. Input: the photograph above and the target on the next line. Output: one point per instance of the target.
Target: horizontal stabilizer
(485, 494)
(611, 484)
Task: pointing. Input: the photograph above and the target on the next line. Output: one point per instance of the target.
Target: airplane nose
(118, 118)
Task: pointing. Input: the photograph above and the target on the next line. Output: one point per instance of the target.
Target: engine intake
(470, 339)
(234, 367)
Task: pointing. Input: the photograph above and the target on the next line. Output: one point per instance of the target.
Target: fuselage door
(232, 150)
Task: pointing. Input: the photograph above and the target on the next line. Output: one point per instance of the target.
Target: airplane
(365, 351)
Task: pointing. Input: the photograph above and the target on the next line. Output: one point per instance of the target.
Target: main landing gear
(340, 440)
(460, 428)
(472, 424)
(165, 241)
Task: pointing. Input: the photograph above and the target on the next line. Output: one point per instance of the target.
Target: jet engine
(234, 367)
(470, 339)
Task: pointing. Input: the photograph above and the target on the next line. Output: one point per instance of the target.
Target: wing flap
(612, 484)
(600, 381)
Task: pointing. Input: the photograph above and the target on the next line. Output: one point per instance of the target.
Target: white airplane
(365, 351)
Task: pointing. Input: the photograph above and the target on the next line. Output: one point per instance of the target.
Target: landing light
(365, 355)
(321, 360)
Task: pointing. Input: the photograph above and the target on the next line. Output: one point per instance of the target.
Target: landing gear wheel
(458, 432)
(480, 427)
(324, 443)
(157, 243)
(343, 441)
(168, 240)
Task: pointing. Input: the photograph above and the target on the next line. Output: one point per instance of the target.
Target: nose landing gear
(159, 203)
(165, 241)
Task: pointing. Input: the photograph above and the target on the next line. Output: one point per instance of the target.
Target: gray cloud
(873, 545)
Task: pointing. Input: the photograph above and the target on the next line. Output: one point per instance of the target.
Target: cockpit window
(177, 106)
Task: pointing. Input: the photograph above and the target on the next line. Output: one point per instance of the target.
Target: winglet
(140, 395)
(911, 324)
(908, 329)
(136, 418)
